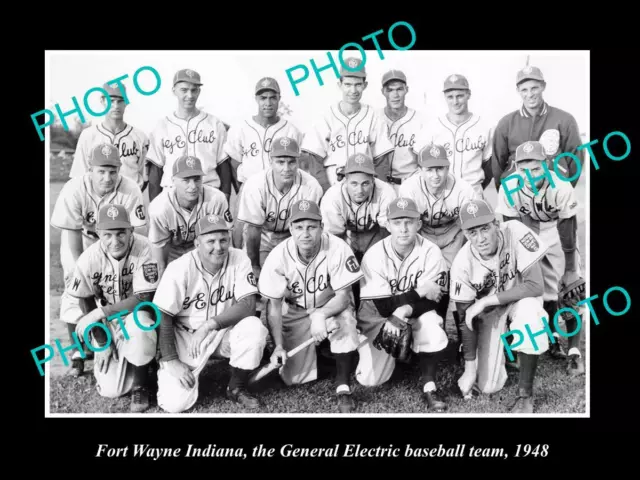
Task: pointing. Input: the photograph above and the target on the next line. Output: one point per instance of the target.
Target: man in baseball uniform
(117, 273)
(207, 298)
(192, 132)
(78, 204)
(131, 142)
(307, 279)
(249, 143)
(536, 120)
(348, 127)
(404, 124)
(405, 276)
(174, 213)
(466, 136)
(439, 195)
(496, 282)
(551, 212)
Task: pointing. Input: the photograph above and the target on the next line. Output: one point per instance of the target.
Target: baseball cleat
(345, 402)
(556, 351)
(523, 403)
(434, 402)
(77, 368)
(244, 398)
(576, 365)
(139, 399)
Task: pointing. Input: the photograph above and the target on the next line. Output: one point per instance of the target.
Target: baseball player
(404, 127)
(496, 283)
(174, 213)
(536, 120)
(117, 273)
(77, 206)
(188, 131)
(131, 142)
(551, 212)
(405, 277)
(307, 279)
(465, 136)
(207, 299)
(439, 195)
(348, 127)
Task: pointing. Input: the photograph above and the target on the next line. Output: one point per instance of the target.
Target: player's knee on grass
(141, 346)
(345, 337)
(247, 340)
(428, 333)
(172, 396)
(526, 317)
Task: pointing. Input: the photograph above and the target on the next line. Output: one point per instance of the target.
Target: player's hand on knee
(197, 344)
(279, 356)
(182, 372)
(92, 317)
(318, 326)
(102, 359)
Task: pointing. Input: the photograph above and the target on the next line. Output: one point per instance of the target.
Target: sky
(229, 79)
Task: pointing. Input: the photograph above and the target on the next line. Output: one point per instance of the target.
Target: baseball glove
(396, 345)
(570, 295)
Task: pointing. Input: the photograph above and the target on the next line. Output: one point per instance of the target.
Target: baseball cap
(359, 162)
(305, 210)
(115, 91)
(267, 83)
(456, 82)
(187, 75)
(112, 217)
(211, 223)
(529, 73)
(352, 67)
(104, 155)
(474, 213)
(530, 151)
(393, 75)
(186, 166)
(402, 207)
(433, 156)
(285, 147)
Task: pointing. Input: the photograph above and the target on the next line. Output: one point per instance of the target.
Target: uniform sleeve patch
(530, 243)
(150, 272)
(228, 217)
(251, 278)
(140, 212)
(352, 264)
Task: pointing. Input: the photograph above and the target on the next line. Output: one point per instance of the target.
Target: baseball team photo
(263, 233)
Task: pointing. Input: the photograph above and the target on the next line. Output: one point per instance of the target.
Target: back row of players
(326, 180)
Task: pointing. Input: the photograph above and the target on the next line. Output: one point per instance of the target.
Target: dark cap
(211, 223)
(352, 67)
(433, 156)
(474, 213)
(455, 82)
(115, 91)
(402, 207)
(112, 216)
(267, 83)
(284, 147)
(361, 163)
(187, 75)
(105, 154)
(392, 75)
(305, 210)
(186, 166)
(530, 151)
(529, 73)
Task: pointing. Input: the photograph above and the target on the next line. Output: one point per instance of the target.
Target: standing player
(131, 142)
(77, 206)
(192, 132)
(307, 279)
(404, 126)
(496, 282)
(348, 127)
(405, 279)
(465, 136)
(174, 213)
(439, 195)
(117, 273)
(207, 298)
(536, 120)
(551, 212)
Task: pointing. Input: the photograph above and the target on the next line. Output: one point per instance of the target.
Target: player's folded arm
(128, 304)
(532, 285)
(246, 307)
(419, 305)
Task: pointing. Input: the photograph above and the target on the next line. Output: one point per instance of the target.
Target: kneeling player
(496, 283)
(405, 278)
(208, 298)
(119, 273)
(307, 279)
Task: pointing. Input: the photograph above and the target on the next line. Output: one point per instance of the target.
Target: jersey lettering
(405, 283)
(467, 145)
(398, 141)
(201, 137)
(179, 142)
(128, 152)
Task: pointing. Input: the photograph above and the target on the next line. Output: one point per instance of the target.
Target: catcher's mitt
(570, 295)
(398, 346)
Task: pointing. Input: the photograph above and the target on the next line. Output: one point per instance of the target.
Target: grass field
(556, 392)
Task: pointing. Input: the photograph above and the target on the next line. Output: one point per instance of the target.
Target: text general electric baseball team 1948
(360, 235)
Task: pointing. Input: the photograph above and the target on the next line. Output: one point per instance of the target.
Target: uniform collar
(524, 113)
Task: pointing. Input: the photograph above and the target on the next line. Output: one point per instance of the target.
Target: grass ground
(556, 393)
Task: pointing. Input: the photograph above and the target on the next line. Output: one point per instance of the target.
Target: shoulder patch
(251, 278)
(140, 212)
(352, 264)
(227, 216)
(150, 272)
(529, 242)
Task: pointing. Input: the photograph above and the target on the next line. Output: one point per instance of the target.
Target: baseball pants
(553, 262)
(296, 329)
(243, 344)
(490, 356)
(375, 367)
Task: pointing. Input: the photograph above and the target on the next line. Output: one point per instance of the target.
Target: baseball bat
(270, 367)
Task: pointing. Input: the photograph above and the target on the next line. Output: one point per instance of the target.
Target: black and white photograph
(317, 233)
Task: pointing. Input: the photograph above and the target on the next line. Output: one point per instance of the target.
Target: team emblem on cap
(359, 160)
(353, 63)
(527, 70)
(265, 82)
(435, 151)
(472, 209)
(112, 213)
(285, 142)
(528, 147)
(213, 219)
(189, 73)
(453, 78)
(106, 150)
(304, 205)
(402, 204)
(190, 162)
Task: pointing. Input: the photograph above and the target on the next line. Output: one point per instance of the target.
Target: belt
(185, 328)
(397, 181)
